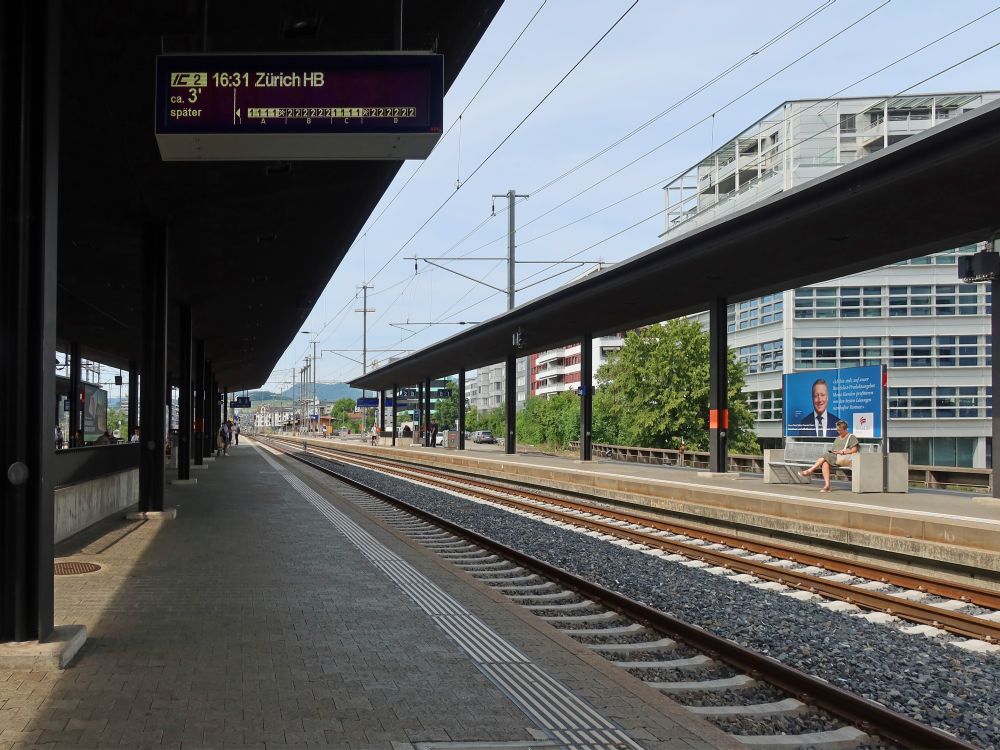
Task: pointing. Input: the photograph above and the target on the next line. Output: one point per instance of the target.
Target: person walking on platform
(59, 438)
(236, 433)
(434, 434)
(221, 445)
(374, 434)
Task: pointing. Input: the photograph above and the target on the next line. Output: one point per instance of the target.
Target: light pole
(314, 395)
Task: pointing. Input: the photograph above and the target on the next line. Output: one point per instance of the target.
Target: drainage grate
(75, 568)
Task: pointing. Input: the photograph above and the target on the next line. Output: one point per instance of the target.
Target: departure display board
(287, 107)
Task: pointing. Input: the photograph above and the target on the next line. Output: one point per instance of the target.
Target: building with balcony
(916, 317)
(797, 142)
(558, 370)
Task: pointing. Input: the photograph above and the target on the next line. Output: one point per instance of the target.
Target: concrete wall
(82, 504)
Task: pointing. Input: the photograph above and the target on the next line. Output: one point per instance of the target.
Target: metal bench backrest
(800, 451)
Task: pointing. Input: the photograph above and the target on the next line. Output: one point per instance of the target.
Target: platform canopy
(931, 192)
(252, 244)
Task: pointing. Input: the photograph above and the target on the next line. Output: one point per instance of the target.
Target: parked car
(483, 436)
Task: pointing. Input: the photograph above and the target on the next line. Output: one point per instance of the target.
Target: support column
(586, 396)
(427, 413)
(995, 382)
(395, 411)
(184, 396)
(75, 403)
(154, 368)
(718, 385)
(510, 399)
(199, 402)
(461, 409)
(133, 397)
(208, 436)
(29, 171)
(381, 414)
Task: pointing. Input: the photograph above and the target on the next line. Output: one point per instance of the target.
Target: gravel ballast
(932, 682)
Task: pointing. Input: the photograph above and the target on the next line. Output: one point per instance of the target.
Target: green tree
(552, 422)
(653, 393)
(339, 411)
(493, 420)
(446, 409)
(118, 415)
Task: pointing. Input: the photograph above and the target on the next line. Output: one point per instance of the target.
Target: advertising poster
(815, 400)
(95, 411)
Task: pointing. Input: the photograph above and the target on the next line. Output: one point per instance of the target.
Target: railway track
(743, 691)
(886, 593)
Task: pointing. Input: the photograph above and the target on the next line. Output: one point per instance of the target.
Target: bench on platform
(782, 466)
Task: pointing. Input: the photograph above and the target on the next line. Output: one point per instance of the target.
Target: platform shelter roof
(931, 192)
(252, 244)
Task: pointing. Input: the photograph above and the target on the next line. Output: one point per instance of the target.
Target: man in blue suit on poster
(819, 422)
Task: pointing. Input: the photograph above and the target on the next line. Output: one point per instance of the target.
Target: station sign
(367, 403)
(298, 107)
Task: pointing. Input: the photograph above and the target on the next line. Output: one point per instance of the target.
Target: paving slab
(252, 620)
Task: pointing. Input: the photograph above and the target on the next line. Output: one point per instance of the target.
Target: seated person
(839, 455)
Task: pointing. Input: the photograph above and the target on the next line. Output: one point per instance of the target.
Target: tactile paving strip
(548, 702)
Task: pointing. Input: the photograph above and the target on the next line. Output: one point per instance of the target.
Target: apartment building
(916, 317)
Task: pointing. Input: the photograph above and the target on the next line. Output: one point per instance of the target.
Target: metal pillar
(133, 397)
(206, 398)
(29, 170)
(510, 441)
(184, 396)
(75, 426)
(154, 368)
(395, 411)
(381, 413)
(586, 396)
(199, 402)
(718, 386)
(461, 409)
(427, 413)
(994, 382)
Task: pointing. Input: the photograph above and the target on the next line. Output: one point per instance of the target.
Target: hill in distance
(325, 392)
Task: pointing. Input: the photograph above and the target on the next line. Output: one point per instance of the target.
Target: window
(765, 405)
(825, 353)
(842, 302)
(765, 357)
(942, 402)
(940, 351)
(755, 312)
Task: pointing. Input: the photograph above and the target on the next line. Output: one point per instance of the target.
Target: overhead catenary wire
(504, 140)
(729, 70)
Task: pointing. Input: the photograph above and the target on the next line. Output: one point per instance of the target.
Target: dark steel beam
(184, 396)
(133, 397)
(154, 368)
(199, 402)
(76, 436)
(995, 382)
(461, 409)
(29, 190)
(510, 402)
(718, 386)
(395, 412)
(427, 413)
(586, 397)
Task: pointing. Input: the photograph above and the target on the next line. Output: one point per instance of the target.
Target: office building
(916, 317)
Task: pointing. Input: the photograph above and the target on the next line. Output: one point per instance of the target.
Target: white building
(916, 317)
(265, 417)
(558, 370)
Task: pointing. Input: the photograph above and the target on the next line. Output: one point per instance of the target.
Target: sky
(658, 55)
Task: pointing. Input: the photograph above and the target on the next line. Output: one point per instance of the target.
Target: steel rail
(866, 714)
(957, 623)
